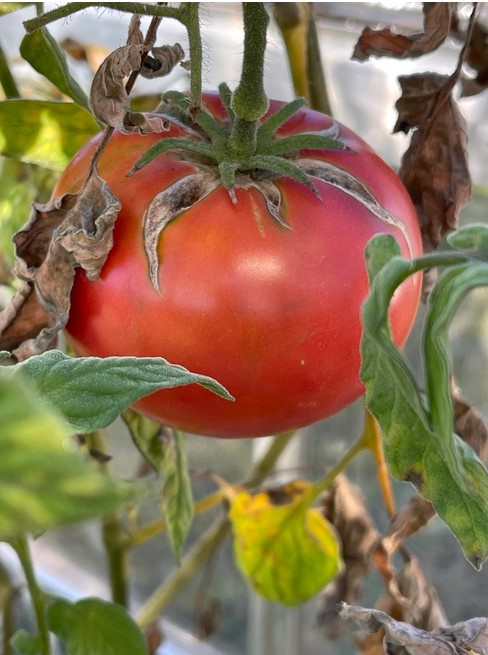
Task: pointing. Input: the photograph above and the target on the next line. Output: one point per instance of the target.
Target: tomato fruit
(272, 313)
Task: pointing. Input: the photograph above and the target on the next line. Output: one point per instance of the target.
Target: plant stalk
(190, 19)
(317, 85)
(142, 8)
(249, 101)
(114, 537)
(7, 80)
(21, 547)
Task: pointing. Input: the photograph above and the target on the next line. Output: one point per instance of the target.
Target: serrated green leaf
(45, 133)
(418, 439)
(91, 391)
(95, 627)
(287, 552)
(46, 57)
(165, 451)
(25, 644)
(43, 480)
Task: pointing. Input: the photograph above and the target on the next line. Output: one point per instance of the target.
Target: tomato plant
(269, 308)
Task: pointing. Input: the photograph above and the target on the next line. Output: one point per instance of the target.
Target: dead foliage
(387, 43)
(400, 637)
(72, 231)
(434, 168)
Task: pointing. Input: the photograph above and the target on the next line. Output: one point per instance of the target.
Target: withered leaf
(470, 425)
(70, 231)
(459, 639)
(416, 514)
(434, 168)
(344, 506)
(386, 43)
(109, 98)
(422, 607)
(476, 57)
(169, 204)
(164, 58)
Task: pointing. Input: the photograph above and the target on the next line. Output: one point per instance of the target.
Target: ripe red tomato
(272, 313)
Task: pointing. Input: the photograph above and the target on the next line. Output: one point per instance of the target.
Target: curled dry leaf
(169, 204)
(344, 507)
(385, 43)
(438, 144)
(459, 639)
(416, 514)
(409, 597)
(470, 425)
(70, 231)
(476, 57)
(109, 98)
(419, 602)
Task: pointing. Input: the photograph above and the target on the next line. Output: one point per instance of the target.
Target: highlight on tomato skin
(271, 312)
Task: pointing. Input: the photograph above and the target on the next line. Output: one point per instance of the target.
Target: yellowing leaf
(288, 552)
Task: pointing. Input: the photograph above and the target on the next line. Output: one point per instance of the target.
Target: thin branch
(142, 8)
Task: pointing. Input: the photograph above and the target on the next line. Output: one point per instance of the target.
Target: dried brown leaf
(109, 98)
(416, 514)
(476, 56)
(164, 59)
(419, 600)
(344, 507)
(70, 231)
(434, 168)
(169, 204)
(470, 425)
(386, 43)
(459, 639)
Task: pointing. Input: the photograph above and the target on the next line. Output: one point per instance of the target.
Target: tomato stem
(21, 547)
(249, 101)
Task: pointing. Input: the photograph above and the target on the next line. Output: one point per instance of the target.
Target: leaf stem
(147, 532)
(206, 545)
(7, 80)
(197, 556)
(143, 8)
(114, 535)
(21, 547)
(190, 19)
(373, 436)
(322, 485)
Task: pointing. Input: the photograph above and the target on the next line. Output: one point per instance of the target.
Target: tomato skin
(271, 313)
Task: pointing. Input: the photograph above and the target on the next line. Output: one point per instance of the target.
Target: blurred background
(217, 604)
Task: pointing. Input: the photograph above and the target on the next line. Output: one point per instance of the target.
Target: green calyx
(247, 142)
(237, 145)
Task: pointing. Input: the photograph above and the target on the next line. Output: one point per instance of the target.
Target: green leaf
(44, 133)
(95, 627)
(91, 391)
(43, 480)
(418, 432)
(287, 552)
(9, 7)
(25, 644)
(166, 453)
(16, 197)
(46, 57)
